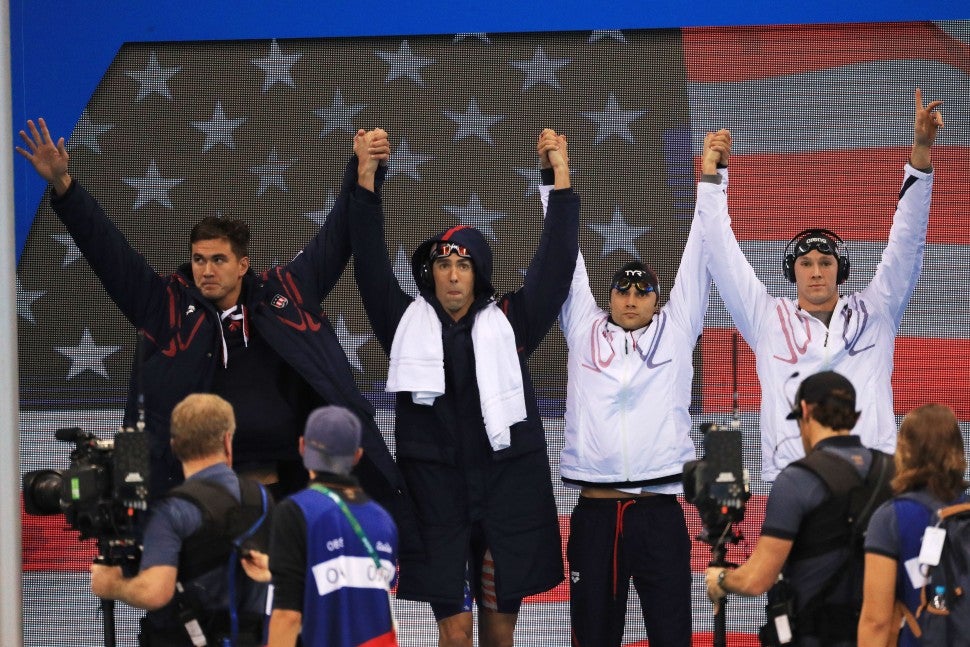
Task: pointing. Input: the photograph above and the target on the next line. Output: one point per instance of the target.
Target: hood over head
(469, 238)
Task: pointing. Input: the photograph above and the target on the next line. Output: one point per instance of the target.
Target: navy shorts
(479, 585)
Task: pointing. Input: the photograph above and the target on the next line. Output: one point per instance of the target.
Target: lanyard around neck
(350, 519)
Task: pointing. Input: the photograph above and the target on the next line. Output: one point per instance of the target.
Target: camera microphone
(69, 434)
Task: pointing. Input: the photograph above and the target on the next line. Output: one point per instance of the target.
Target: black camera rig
(102, 494)
(717, 485)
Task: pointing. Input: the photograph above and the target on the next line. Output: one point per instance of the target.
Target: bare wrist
(61, 184)
(562, 180)
(920, 158)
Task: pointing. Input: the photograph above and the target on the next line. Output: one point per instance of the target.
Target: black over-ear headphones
(805, 241)
(425, 275)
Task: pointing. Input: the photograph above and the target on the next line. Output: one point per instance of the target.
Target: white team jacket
(858, 342)
(627, 419)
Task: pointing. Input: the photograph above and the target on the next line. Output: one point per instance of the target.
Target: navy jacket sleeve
(321, 262)
(533, 308)
(384, 300)
(127, 277)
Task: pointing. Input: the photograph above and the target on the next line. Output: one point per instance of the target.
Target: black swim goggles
(822, 243)
(633, 279)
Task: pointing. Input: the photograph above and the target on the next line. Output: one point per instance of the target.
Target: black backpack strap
(247, 531)
(881, 471)
(228, 527)
(824, 529)
(210, 545)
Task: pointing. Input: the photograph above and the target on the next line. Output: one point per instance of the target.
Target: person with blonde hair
(930, 468)
(197, 542)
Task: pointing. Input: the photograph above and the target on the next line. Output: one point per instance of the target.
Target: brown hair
(929, 453)
(836, 410)
(199, 423)
(213, 228)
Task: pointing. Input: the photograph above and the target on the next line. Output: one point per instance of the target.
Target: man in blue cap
(333, 551)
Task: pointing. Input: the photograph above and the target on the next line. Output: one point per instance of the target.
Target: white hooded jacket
(628, 395)
(789, 344)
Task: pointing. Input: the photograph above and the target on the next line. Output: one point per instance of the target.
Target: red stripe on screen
(853, 192)
(716, 55)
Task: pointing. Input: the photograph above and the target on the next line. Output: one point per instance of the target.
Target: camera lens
(42, 492)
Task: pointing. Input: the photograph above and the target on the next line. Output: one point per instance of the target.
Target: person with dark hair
(805, 535)
(822, 329)
(470, 440)
(185, 579)
(333, 552)
(930, 474)
(236, 232)
(260, 340)
(627, 438)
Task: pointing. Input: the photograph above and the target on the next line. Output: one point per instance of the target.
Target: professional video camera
(101, 494)
(718, 484)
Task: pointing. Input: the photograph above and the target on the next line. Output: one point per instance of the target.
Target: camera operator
(188, 540)
(805, 535)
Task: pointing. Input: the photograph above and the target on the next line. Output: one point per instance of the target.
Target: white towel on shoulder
(417, 365)
(417, 358)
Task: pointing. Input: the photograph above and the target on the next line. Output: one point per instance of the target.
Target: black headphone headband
(828, 233)
(840, 252)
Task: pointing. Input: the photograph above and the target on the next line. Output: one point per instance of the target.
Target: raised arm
(536, 304)
(580, 304)
(926, 123)
(322, 261)
(902, 260)
(125, 274)
(384, 300)
(744, 295)
(50, 160)
(691, 290)
(373, 150)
